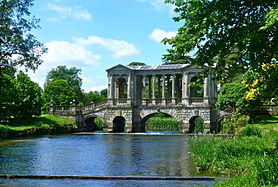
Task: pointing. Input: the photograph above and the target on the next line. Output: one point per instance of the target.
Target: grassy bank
(45, 124)
(250, 158)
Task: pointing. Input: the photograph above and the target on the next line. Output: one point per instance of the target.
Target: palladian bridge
(135, 93)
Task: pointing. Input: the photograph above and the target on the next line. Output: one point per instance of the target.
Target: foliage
(251, 130)
(199, 124)
(17, 45)
(95, 97)
(59, 92)
(8, 94)
(99, 123)
(252, 159)
(262, 85)
(29, 97)
(70, 75)
(137, 64)
(162, 124)
(63, 86)
(214, 29)
(230, 95)
(173, 59)
(233, 123)
(20, 97)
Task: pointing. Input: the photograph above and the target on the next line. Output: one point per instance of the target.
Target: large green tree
(71, 75)
(29, 97)
(214, 29)
(59, 92)
(18, 46)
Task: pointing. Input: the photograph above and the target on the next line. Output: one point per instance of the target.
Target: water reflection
(98, 155)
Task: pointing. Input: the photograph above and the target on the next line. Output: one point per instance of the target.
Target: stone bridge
(135, 93)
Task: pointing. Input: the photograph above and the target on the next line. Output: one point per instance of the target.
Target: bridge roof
(160, 67)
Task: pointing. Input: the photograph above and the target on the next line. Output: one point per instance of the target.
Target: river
(97, 155)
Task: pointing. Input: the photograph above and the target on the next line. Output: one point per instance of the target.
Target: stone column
(184, 88)
(153, 89)
(150, 88)
(144, 94)
(173, 89)
(206, 89)
(129, 89)
(111, 89)
(163, 90)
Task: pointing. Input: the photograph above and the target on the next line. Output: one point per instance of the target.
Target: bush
(251, 131)
(231, 124)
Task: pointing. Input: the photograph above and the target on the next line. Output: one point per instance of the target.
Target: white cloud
(158, 35)
(72, 12)
(119, 48)
(63, 53)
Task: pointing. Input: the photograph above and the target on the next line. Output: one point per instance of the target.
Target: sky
(94, 35)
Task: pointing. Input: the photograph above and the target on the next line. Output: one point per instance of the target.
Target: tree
(29, 97)
(71, 75)
(137, 64)
(229, 96)
(174, 59)
(8, 94)
(94, 97)
(215, 28)
(59, 92)
(17, 45)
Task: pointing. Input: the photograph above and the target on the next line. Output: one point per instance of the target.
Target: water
(97, 155)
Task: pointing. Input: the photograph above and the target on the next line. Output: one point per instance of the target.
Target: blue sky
(94, 35)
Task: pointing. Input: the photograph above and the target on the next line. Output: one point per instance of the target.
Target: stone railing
(73, 110)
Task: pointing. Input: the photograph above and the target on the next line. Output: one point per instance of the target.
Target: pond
(97, 155)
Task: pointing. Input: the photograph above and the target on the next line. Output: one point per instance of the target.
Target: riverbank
(42, 125)
(250, 157)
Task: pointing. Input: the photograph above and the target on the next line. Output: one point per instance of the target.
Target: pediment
(119, 67)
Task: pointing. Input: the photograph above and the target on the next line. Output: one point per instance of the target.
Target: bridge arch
(196, 123)
(119, 124)
(90, 122)
(175, 127)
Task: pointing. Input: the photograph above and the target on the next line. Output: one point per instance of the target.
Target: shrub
(231, 124)
(251, 131)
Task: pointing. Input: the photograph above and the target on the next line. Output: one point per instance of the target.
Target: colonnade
(158, 88)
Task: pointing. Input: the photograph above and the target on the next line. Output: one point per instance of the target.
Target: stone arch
(121, 84)
(90, 124)
(218, 124)
(192, 123)
(146, 117)
(119, 123)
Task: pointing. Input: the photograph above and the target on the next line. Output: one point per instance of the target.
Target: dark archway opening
(160, 122)
(219, 125)
(196, 124)
(119, 124)
(93, 124)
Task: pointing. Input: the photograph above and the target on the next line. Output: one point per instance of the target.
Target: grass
(45, 124)
(162, 124)
(251, 159)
